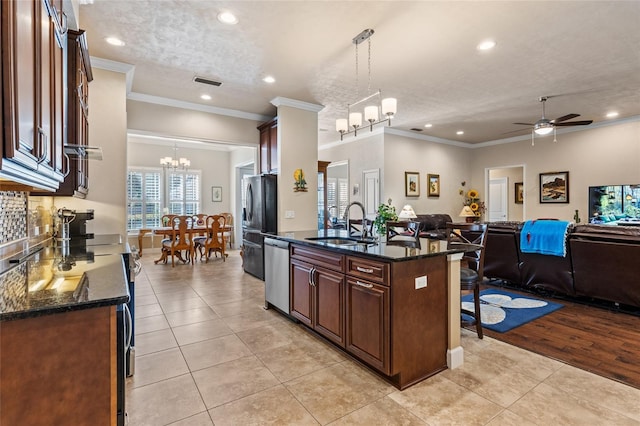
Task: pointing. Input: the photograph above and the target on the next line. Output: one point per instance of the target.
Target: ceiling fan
(544, 126)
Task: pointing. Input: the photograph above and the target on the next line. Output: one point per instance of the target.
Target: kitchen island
(393, 306)
(61, 328)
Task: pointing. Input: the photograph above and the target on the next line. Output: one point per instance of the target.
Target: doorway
(371, 192)
(502, 204)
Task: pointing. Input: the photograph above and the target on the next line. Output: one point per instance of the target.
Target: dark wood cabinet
(367, 323)
(317, 292)
(76, 182)
(269, 147)
(32, 95)
(375, 309)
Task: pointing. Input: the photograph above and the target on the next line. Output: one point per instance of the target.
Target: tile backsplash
(23, 221)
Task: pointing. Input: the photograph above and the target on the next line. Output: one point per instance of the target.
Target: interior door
(498, 207)
(371, 192)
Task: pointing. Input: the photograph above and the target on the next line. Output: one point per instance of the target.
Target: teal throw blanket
(544, 237)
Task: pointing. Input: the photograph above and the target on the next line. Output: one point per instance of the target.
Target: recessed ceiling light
(612, 114)
(428, 125)
(205, 97)
(114, 41)
(227, 18)
(269, 79)
(486, 45)
(459, 132)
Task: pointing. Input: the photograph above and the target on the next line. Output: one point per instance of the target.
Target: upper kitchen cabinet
(76, 183)
(269, 147)
(33, 92)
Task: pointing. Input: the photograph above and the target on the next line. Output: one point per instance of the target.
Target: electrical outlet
(421, 282)
(289, 214)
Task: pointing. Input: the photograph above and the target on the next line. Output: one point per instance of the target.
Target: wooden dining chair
(472, 237)
(228, 232)
(213, 241)
(180, 240)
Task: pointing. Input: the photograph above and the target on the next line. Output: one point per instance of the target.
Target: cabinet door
(367, 323)
(274, 164)
(19, 23)
(264, 151)
(301, 297)
(328, 318)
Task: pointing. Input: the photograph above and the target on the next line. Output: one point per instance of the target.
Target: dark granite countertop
(390, 251)
(85, 274)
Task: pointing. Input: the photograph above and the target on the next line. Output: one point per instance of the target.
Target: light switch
(289, 214)
(421, 282)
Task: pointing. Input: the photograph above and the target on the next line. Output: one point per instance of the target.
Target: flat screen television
(613, 203)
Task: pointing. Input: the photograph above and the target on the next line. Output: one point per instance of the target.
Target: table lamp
(468, 214)
(407, 213)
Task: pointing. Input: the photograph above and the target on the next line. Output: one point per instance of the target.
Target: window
(337, 196)
(147, 199)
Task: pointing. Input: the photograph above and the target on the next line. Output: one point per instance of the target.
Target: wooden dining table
(167, 231)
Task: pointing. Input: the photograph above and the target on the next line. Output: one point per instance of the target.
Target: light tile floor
(208, 353)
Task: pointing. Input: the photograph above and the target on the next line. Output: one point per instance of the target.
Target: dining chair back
(472, 237)
(180, 239)
(213, 241)
(228, 231)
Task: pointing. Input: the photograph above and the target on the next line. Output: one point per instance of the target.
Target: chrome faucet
(365, 232)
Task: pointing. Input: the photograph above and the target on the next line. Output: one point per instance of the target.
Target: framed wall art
(518, 193)
(433, 185)
(554, 187)
(216, 194)
(412, 184)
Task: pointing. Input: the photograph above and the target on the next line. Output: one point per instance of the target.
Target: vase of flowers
(472, 199)
(385, 213)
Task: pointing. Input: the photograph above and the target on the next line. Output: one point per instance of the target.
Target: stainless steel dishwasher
(276, 274)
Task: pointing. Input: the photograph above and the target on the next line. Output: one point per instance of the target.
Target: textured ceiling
(423, 53)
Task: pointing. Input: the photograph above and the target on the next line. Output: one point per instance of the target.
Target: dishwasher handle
(276, 243)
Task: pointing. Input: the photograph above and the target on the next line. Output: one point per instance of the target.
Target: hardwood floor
(603, 341)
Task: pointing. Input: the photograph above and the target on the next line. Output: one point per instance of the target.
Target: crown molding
(115, 66)
(293, 103)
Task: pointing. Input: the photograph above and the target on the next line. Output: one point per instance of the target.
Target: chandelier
(174, 163)
(373, 103)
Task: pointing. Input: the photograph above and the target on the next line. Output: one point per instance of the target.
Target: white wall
(214, 165)
(107, 178)
(190, 124)
(607, 155)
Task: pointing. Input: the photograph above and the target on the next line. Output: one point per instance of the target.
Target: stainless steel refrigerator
(259, 216)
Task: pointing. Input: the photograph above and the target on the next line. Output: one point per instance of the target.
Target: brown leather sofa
(600, 262)
(433, 226)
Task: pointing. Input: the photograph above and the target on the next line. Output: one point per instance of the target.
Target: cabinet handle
(309, 276)
(365, 270)
(43, 145)
(66, 173)
(313, 276)
(365, 285)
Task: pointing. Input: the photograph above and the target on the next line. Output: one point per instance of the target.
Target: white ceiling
(423, 53)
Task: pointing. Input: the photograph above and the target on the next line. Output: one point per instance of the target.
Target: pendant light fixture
(174, 163)
(376, 109)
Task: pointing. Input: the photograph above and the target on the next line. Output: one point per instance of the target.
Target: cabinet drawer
(327, 259)
(368, 269)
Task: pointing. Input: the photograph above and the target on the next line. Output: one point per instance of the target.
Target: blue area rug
(502, 311)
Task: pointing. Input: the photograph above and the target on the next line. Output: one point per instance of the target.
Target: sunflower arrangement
(472, 199)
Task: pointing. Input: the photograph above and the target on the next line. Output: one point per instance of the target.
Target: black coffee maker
(72, 225)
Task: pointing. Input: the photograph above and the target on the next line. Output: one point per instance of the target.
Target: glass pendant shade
(371, 113)
(389, 106)
(342, 125)
(355, 119)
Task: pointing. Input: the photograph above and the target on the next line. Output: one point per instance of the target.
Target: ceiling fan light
(543, 129)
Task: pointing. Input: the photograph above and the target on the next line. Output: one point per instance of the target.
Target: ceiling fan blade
(574, 123)
(525, 124)
(565, 118)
